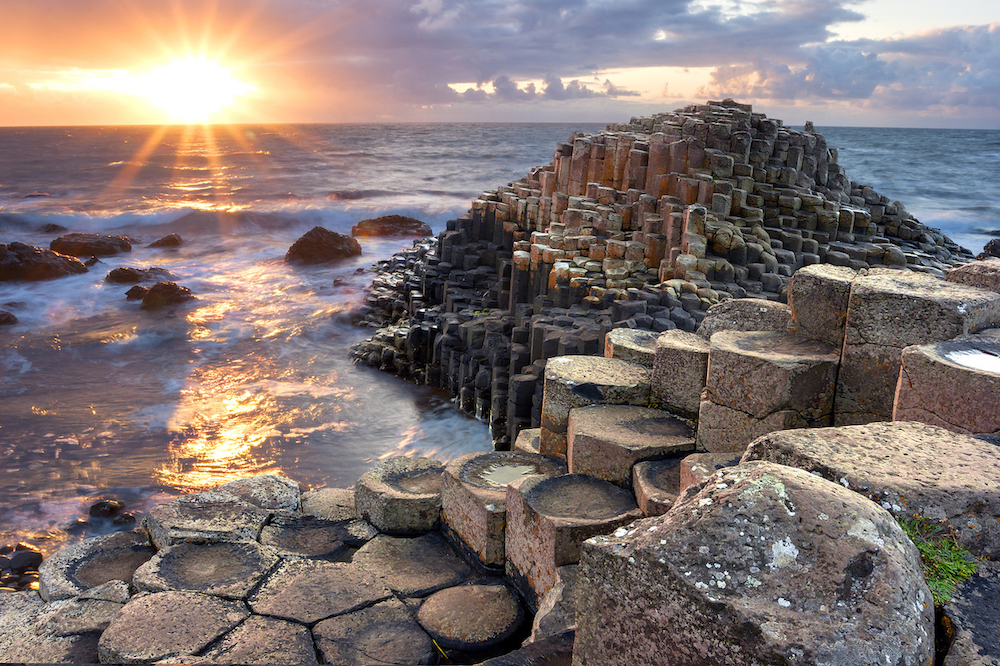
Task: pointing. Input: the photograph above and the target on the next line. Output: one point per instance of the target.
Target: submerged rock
(319, 246)
(172, 240)
(162, 294)
(7, 318)
(391, 225)
(27, 262)
(85, 245)
(128, 275)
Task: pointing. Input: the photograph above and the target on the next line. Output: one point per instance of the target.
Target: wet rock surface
(320, 246)
(165, 294)
(26, 262)
(472, 617)
(91, 563)
(90, 245)
(385, 633)
(391, 225)
(130, 275)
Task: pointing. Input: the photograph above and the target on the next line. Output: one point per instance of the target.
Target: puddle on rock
(502, 474)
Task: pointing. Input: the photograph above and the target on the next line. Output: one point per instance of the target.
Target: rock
(401, 495)
(556, 613)
(308, 591)
(264, 640)
(137, 275)
(170, 240)
(319, 246)
(632, 345)
(308, 536)
(910, 469)
(7, 318)
(891, 311)
(22, 642)
(680, 369)
(983, 274)
(548, 518)
(329, 503)
(472, 617)
(391, 225)
(818, 296)
(73, 570)
(549, 651)
(163, 294)
(972, 619)
(949, 384)
(80, 616)
(527, 440)
(745, 314)
(90, 245)
(206, 517)
(106, 508)
(382, 634)
(26, 262)
(656, 484)
(23, 560)
(227, 570)
(271, 492)
(52, 228)
(136, 293)
(990, 250)
(412, 567)
(697, 467)
(605, 441)
(167, 624)
(829, 579)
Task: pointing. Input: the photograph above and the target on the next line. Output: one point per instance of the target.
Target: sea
(102, 400)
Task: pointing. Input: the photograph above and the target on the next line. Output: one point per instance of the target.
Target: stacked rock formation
(645, 225)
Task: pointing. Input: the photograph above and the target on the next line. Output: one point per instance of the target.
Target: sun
(191, 90)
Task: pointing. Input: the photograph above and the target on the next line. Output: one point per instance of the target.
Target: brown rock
(412, 567)
(26, 262)
(264, 640)
(472, 617)
(163, 294)
(320, 246)
(383, 634)
(90, 245)
(391, 225)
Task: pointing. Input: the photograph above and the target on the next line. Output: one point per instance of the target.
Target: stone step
(401, 495)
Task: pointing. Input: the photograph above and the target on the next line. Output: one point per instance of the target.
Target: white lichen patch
(865, 530)
(783, 553)
(620, 532)
(784, 603)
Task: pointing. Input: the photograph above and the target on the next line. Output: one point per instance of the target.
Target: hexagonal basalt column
(953, 384)
(474, 499)
(818, 296)
(228, 570)
(763, 381)
(656, 484)
(77, 568)
(605, 441)
(401, 495)
(549, 518)
(577, 381)
(633, 345)
(679, 372)
(888, 312)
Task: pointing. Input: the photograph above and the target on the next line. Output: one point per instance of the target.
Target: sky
(908, 63)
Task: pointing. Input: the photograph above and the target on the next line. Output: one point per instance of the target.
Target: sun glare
(191, 90)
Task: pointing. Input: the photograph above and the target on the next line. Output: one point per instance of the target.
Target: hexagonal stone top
(970, 353)
(401, 495)
(577, 498)
(308, 536)
(228, 570)
(210, 516)
(774, 347)
(273, 492)
(593, 379)
(90, 563)
(634, 428)
(471, 617)
(413, 567)
(632, 345)
(488, 474)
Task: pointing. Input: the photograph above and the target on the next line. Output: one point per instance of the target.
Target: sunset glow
(191, 90)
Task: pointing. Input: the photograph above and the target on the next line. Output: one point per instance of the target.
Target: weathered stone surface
(605, 441)
(73, 570)
(697, 467)
(983, 274)
(911, 469)
(329, 503)
(205, 517)
(527, 440)
(818, 296)
(20, 642)
(264, 640)
(386, 633)
(79, 616)
(26, 262)
(576, 381)
(556, 613)
(311, 590)
(680, 369)
(634, 345)
(164, 294)
(953, 384)
(90, 245)
(656, 484)
(308, 536)
(227, 570)
(412, 567)
(129, 275)
(391, 225)
(319, 246)
(474, 498)
(401, 495)
(725, 430)
(167, 624)
(548, 518)
(471, 617)
(888, 312)
(972, 619)
(170, 240)
(554, 650)
(272, 492)
(829, 578)
(745, 314)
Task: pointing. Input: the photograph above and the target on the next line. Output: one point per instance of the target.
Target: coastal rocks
(412, 567)
(983, 274)
(170, 240)
(953, 384)
(308, 536)
(262, 640)
(888, 312)
(680, 370)
(472, 617)
(829, 579)
(167, 624)
(24, 637)
(128, 275)
(227, 570)
(910, 469)
(165, 294)
(88, 564)
(391, 225)
(7, 318)
(657, 484)
(320, 246)
(90, 245)
(206, 517)
(972, 619)
(633, 345)
(401, 495)
(329, 503)
(26, 262)
(818, 296)
(745, 314)
(385, 633)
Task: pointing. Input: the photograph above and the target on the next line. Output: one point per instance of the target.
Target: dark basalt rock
(106, 508)
(52, 228)
(172, 240)
(319, 246)
(7, 318)
(83, 245)
(136, 293)
(991, 249)
(162, 294)
(391, 225)
(27, 262)
(130, 275)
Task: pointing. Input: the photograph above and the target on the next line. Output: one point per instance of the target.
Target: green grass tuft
(946, 564)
